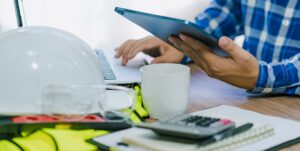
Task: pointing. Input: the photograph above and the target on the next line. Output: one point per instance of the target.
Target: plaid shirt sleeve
(279, 78)
(221, 18)
(225, 17)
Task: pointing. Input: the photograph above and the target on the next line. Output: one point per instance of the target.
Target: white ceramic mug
(165, 89)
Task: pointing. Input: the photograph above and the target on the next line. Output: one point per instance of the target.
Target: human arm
(242, 69)
(220, 18)
(130, 48)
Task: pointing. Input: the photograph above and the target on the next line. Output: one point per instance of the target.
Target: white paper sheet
(284, 129)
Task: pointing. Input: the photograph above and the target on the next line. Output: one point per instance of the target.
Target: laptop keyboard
(108, 73)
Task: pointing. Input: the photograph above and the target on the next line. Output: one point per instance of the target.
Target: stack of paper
(283, 130)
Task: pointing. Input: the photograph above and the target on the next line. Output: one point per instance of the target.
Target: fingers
(196, 57)
(235, 51)
(195, 44)
(130, 48)
(141, 45)
(169, 56)
(200, 47)
(194, 49)
(160, 59)
(202, 55)
(184, 48)
(122, 48)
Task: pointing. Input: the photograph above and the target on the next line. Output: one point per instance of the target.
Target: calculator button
(216, 119)
(225, 121)
(180, 123)
(191, 126)
(204, 124)
(199, 121)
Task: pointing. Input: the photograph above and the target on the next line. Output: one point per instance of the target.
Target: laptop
(116, 73)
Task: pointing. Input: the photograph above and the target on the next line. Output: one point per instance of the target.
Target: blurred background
(95, 20)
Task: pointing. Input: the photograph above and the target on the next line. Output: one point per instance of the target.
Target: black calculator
(189, 126)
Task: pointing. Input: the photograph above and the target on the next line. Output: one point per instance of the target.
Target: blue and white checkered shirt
(272, 35)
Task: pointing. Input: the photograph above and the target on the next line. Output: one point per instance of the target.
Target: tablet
(163, 27)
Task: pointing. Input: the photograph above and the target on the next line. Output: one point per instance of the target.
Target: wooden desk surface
(206, 92)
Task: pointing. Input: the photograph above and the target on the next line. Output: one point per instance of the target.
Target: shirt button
(286, 22)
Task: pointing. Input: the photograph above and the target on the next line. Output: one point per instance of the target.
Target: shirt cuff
(186, 60)
(271, 79)
(262, 79)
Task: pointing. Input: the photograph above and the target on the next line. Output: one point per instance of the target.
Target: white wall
(95, 20)
(7, 15)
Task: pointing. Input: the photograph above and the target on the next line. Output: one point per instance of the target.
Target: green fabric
(8, 146)
(54, 139)
(37, 141)
(141, 111)
(74, 140)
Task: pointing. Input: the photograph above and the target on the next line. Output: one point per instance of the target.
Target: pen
(228, 133)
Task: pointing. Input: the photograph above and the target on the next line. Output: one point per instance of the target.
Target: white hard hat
(32, 58)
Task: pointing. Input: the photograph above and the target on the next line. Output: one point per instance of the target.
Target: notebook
(268, 131)
(151, 141)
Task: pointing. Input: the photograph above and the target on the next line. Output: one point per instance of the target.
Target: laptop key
(108, 76)
(108, 73)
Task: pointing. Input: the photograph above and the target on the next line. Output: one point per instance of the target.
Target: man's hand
(130, 48)
(240, 68)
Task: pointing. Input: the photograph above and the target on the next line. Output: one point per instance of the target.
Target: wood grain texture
(206, 92)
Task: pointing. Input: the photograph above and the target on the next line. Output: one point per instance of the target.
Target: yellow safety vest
(53, 140)
(64, 139)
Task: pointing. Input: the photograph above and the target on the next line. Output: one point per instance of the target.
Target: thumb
(231, 47)
(160, 59)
